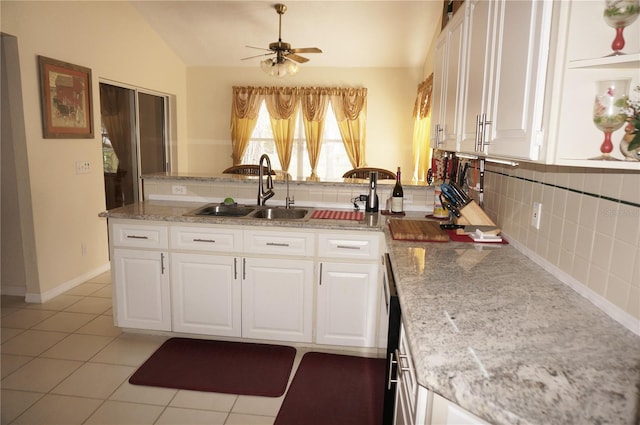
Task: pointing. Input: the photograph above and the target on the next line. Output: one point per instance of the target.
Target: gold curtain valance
(422, 107)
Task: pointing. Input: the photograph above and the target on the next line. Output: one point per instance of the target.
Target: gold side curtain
(314, 103)
(350, 108)
(282, 104)
(421, 151)
(245, 104)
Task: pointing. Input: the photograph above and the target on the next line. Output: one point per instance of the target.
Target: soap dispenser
(372, 198)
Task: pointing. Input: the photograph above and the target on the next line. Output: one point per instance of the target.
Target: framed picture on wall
(65, 95)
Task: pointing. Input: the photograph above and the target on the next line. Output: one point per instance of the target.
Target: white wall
(111, 40)
(391, 94)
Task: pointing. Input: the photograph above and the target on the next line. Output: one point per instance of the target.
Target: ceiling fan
(285, 56)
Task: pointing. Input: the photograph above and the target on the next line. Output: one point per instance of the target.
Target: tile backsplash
(590, 224)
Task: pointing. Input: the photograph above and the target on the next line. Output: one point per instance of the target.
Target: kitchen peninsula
(487, 328)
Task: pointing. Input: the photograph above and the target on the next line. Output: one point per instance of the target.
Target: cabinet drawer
(349, 245)
(206, 239)
(140, 235)
(279, 242)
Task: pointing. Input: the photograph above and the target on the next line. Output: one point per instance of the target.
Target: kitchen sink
(222, 210)
(282, 213)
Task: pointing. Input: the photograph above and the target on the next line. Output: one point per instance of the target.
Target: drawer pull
(277, 244)
(348, 247)
(136, 237)
(204, 240)
(402, 368)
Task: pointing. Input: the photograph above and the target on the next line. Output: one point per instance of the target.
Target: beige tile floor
(63, 362)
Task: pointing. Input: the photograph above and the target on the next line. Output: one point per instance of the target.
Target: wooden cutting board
(417, 230)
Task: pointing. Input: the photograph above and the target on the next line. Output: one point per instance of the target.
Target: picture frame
(66, 99)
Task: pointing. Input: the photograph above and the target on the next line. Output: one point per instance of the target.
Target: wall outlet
(83, 167)
(178, 189)
(535, 215)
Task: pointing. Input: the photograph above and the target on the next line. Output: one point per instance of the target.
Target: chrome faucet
(289, 199)
(262, 195)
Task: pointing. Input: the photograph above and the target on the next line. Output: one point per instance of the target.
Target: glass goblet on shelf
(609, 111)
(619, 14)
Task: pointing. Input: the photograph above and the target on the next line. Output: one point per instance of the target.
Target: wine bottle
(397, 195)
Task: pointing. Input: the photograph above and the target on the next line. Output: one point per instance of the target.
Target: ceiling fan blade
(257, 56)
(306, 50)
(296, 58)
(259, 48)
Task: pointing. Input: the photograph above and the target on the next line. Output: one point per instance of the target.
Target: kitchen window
(333, 162)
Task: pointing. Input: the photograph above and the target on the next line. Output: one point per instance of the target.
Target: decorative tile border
(580, 192)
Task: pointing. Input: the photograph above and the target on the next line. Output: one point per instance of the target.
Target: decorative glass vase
(629, 134)
(609, 111)
(619, 14)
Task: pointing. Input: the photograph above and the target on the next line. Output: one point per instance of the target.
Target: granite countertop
(175, 212)
(493, 332)
(488, 329)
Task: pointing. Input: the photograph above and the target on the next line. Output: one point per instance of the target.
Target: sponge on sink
(228, 201)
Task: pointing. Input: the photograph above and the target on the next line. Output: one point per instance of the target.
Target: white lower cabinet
(205, 294)
(247, 282)
(277, 299)
(347, 304)
(141, 293)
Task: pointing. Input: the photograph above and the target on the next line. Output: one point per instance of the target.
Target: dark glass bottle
(397, 195)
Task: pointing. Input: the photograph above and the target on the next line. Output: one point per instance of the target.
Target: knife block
(472, 214)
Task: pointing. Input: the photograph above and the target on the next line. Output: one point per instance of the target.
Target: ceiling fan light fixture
(279, 67)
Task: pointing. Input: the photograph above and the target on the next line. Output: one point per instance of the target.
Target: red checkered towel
(338, 215)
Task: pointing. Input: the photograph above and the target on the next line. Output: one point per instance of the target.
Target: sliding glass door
(134, 140)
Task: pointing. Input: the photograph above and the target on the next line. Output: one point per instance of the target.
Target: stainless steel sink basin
(222, 210)
(282, 213)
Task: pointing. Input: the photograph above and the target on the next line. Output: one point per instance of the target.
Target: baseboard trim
(61, 289)
(610, 309)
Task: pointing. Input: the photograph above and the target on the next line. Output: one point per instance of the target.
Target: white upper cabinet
(504, 80)
(583, 58)
(521, 50)
(528, 82)
(477, 78)
(447, 84)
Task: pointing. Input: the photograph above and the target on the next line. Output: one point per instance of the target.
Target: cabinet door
(347, 304)
(450, 60)
(142, 289)
(439, 80)
(277, 299)
(205, 294)
(477, 78)
(520, 57)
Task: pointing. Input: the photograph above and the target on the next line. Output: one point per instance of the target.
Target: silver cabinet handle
(391, 380)
(204, 240)
(277, 244)
(478, 133)
(439, 129)
(320, 274)
(235, 268)
(137, 237)
(402, 368)
(162, 263)
(485, 124)
(348, 247)
(244, 269)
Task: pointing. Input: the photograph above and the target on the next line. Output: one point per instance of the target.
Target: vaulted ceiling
(350, 33)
